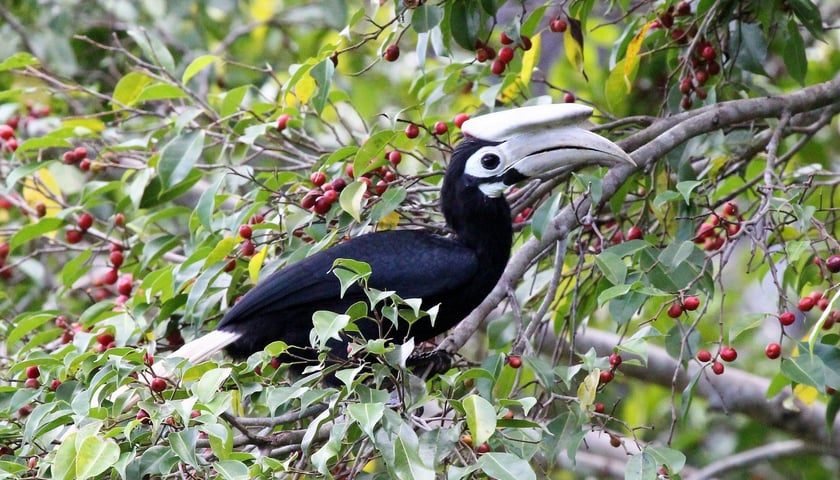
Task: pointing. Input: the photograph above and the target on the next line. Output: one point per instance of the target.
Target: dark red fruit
(40, 209)
(318, 178)
(73, 236)
(25, 410)
(686, 86)
(787, 318)
(55, 384)
(248, 248)
(460, 119)
(773, 350)
(85, 165)
(606, 376)
(322, 206)
(482, 55)
(691, 303)
(635, 233)
(822, 304)
(158, 384)
(599, 407)
(119, 220)
(569, 97)
(701, 76)
(506, 54)
(514, 361)
(713, 68)
(704, 355)
(504, 39)
(832, 263)
(330, 196)
(275, 363)
(105, 339)
(806, 304)
(392, 52)
(230, 265)
(110, 277)
(526, 42)
(10, 146)
(309, 199)
(558, 25)
(116, 259)
(33, 371)
(142, 415)
(717, 367)
(412, 131)
(338, 184)
(728, 354)
(246, 232)
(683, 9)
(708, 52)
(85, 222)
(68, 157)
(395, 157)
(615, 360)
(381, 186)
(124, 286)
(4, 250)
(440, 128)
(483, 448)
(283, 121)
(685, 103)
(675, 310)
(498, 67)
(6, 132)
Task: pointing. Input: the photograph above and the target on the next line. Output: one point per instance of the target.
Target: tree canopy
(673, 319)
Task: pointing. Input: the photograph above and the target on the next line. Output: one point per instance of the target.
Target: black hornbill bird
(455, 272)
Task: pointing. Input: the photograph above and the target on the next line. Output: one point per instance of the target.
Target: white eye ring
(486, 162)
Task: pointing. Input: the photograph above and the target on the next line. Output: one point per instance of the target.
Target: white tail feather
(205, 346)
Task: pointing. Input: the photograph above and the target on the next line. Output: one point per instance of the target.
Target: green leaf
(18, 60)
(328, 325)
(351, 199)
(207, 387)
(160, 91)
(805, 369)
(506, 466)
(808, 13)
(95, 455)
(544, 214)
(64, 463)
(794, 54)
(613, 292)
(232, 100)
(40, 143)
(75, 268)
(322, 73)
(388, 202)
(183, 444)
(641, 466)
(178, 157)
(371, 154)
(831, 410)
(198, 65)
(481, 418)
(464, 23)
(674, 459)
(750, 43)
(426, 17)
(25, 324)
(154, 49)
(407, 462)
(232, 470)
(685, 188)
(367, 415)
(128, 89)
(34, 230)
(612, 266)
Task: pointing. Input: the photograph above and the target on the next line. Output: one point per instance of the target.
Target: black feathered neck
(478, 221)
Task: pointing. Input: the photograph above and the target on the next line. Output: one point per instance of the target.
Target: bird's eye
(490, 161)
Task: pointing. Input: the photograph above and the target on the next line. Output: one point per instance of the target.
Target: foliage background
(177, 106)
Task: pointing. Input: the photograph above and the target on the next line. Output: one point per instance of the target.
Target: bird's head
(503, 148)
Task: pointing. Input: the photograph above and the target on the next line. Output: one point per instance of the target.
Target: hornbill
(455, 272)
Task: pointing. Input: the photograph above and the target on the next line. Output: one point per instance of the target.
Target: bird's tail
(205, 346)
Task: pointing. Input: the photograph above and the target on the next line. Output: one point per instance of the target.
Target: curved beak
(540, 140)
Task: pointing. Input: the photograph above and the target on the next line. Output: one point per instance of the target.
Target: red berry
(635, 233)
(701, 76)
(248, 248)
(704, 355)
(685, 103)
(119, 220)
(318, 178)
(717, 367)
(338, 184)
(10, 146)
(275, 363)
(330, 196)
(73, 236)
(85, 222)
(440, 128)
(460, 119)
(728, 354)
(822, 304)
(124, 286)
(691, 303)
(258, 218)
(615, 360)
(606, 376)
(392, 52)
(105, 338)
(322, 206)
(806, 304)
(4, 250)
(506, 54)
(33, 371)
(195, 413)
(515, 361)
(686, 86)
(245, 231)
(158, 384)
(504, 39)
(116, 259)
(482, 55)
(677, 34)
(309, 199)
(666, 19)
(68, 157)
(381, 186)
(283, 121)
(85, 165)
(142, 415)
(713, 68)
(483, 448)
(773, 350)
(80, 153)
(110, 276)
(526, 42)
(148, 359)
(412, 130)
(599, 407)
(787, 318)
(569, 97)
(683, 9)
(6, 132)
(31, 383)
(395, 157)
(708, 52)
(230, 265)
(498, 67)
(832, 263)
(558, 25)
(55, 384)
(25, 410)
(675, 310)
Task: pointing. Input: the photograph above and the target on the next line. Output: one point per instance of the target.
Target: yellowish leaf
(305, 88)
(388, 222)
(573, 43)
(255, 264)
(631, 59)
(807, 394)
(588, 389)
(262, 11)
(529, 60)
(41, 187)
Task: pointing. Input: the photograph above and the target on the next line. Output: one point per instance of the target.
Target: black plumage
(455, 272)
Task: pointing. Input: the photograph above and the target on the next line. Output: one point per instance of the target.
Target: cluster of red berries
(8, 140)
(612, 231)
(523, 216)
(726, 353)
(78, 155)
(246, 233)
(608, 375)
(484, 52)
(714, 232)
(688, 304)
(440, 127)
(83, 224)
(321, 198)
